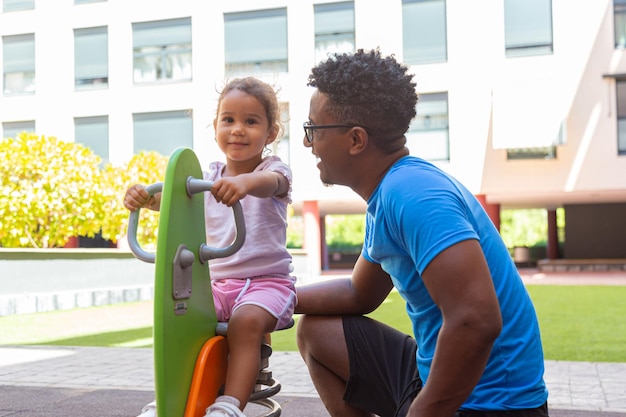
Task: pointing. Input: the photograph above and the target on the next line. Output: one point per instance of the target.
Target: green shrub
(52, 190)
(345, 233)
(143, 168)
(524, 227)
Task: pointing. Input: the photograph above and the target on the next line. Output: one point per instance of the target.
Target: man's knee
(306, 324)
(313, 330)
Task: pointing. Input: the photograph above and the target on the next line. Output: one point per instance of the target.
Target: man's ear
(360, 140)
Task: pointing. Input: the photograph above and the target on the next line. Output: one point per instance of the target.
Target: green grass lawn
(578, 323)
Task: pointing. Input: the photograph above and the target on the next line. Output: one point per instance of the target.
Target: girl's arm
(263, 184)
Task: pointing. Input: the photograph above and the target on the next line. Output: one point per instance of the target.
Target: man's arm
(459, 282)
(361, 294)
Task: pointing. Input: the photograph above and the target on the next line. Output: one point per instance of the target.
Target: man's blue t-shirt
(415, 213)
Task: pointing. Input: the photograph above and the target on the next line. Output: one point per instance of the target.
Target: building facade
(523, 100)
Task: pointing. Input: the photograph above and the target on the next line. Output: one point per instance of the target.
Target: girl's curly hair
(369, 90)
(263, 92)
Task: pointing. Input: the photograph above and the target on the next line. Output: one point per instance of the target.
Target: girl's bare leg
(246, 330)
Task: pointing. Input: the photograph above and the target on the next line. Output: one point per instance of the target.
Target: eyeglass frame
(307, 126)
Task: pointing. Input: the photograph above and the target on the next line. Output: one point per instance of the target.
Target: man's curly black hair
(369, 90)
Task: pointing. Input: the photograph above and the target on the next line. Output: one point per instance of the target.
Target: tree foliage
(144, 168)
(345, 232)
(527, 227)
(52, 190)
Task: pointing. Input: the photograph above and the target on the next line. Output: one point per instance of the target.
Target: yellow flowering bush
(52, 190)
(144, 168)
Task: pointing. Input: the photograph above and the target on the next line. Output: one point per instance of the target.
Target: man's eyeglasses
(310, 128)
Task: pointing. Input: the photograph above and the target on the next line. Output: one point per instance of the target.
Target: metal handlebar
(205, 252)
(133, 221)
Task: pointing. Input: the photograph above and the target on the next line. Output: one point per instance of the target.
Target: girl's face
(241, 127)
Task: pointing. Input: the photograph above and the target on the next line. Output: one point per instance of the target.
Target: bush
(527, 227)
(345, 233)
(144, 168)
(53, 190)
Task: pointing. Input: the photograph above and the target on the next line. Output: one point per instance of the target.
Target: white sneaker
(149, 410)
(223, 409)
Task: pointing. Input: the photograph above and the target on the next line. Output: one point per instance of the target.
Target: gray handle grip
(133, 221)
(205, 253)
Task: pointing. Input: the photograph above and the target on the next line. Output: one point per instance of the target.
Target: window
(543, 152)
(424, 31)
(619, 16)
(91, 58)
(334, 29)
(265, 51)
(621, 116)
(19, 64)
(162, 51)
(528, 27)
(427, 137)
(14, 5)
(93, 132)
(162, 132)
(13, 129)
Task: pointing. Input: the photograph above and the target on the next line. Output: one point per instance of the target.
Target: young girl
(252, 289)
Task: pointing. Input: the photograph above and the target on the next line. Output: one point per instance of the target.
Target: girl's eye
(227, 119)
(251, 121)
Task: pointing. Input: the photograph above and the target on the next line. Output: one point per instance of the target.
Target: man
(476, 349)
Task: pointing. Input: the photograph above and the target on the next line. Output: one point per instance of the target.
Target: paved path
(44, 381)
(34, 373)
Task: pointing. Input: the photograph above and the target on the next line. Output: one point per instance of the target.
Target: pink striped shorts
(275, 295)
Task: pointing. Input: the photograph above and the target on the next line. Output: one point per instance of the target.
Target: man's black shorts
(383, 372)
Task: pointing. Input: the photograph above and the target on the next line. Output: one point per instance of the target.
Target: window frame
(544, 152)
(414, 52)
(258, 54)
(427, 132)
(99, 126)
(92, 79)
(620, 114)
(18, 127)
(619, 23)
(17, 5)
(27, 72)
(329, 36)
(156, 50)
(161, 135)
(516, 48)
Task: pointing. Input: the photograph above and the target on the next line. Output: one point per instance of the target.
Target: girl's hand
(137, 197)
(229, 190)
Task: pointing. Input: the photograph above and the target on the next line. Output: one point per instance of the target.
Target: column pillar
(312, 241)
(552, 250)
(493, 210)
